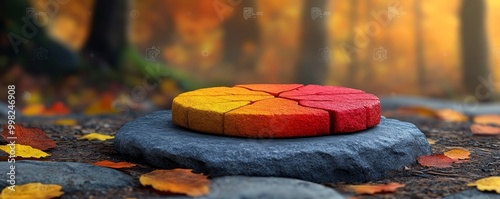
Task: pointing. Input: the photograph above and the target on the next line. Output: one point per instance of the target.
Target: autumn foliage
(182, 181)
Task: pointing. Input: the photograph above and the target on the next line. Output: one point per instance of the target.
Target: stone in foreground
(473, 193)
(72, 176)
(357, 157)
(243, 187)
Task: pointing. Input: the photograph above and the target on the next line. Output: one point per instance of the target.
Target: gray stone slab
(467, 107)
(473, 193)
(243, 187)
(358, 157)
(72, 176)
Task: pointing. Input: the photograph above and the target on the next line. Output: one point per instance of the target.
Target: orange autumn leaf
(33, 109)
(373, 189)
(479, 129)
(458, 154)
(182, 181)
(114, 165)
(57, 108)
(418, 110)
(435, 160)
(487, 119)
(33, 137)
(450, 115)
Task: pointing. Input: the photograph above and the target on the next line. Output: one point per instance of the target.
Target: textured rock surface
(363, 156)
(242, 187)
(72, 176)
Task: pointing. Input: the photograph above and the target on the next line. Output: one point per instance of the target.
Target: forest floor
(421, 182)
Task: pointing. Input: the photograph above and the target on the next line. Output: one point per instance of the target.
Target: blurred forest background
(114, 56)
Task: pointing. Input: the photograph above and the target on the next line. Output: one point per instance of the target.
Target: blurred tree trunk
(107, 37)
(238, 34)
(354, 63)
(474, 47)
(312, 67)
(419, 42)
(368, 62)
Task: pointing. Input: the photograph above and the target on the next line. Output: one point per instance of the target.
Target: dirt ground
(421, 182)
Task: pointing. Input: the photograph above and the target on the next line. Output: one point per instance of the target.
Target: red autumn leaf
(57, 108)
(114, 165)
(479, 129)
(377, 188)
(33, 137)
(435, 160)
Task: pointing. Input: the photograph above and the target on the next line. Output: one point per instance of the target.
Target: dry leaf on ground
(29, 136)
(65, 122)
(487, 119)
(487, 184)
(450, 115)
(479, 129)
(182, 181)
(57, 108)
(418, 110)
(373, 189)
(33, 191)
(435, 160)
(458, 154)
(103, 106)
(23, 151)
(431, 141)
(96, 136)
(33, 109)
(114, 165)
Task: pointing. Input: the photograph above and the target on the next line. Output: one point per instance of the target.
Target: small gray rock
(72, 176)
(358, 157)
(243, 187)
(473, 193)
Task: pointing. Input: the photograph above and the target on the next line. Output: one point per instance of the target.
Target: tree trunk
(108, 38)
(419, 49)
(474, 49)
(239, 32)
(313, 65)
(354, 63)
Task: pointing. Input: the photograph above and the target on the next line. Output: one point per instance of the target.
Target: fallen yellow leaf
(182, 181)
(96, 136)
(373, 189)
(450, 115)
(487, 119)
(32, 191)
(487, 184)
(23, 151)
(65, 122)
(458, 154)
